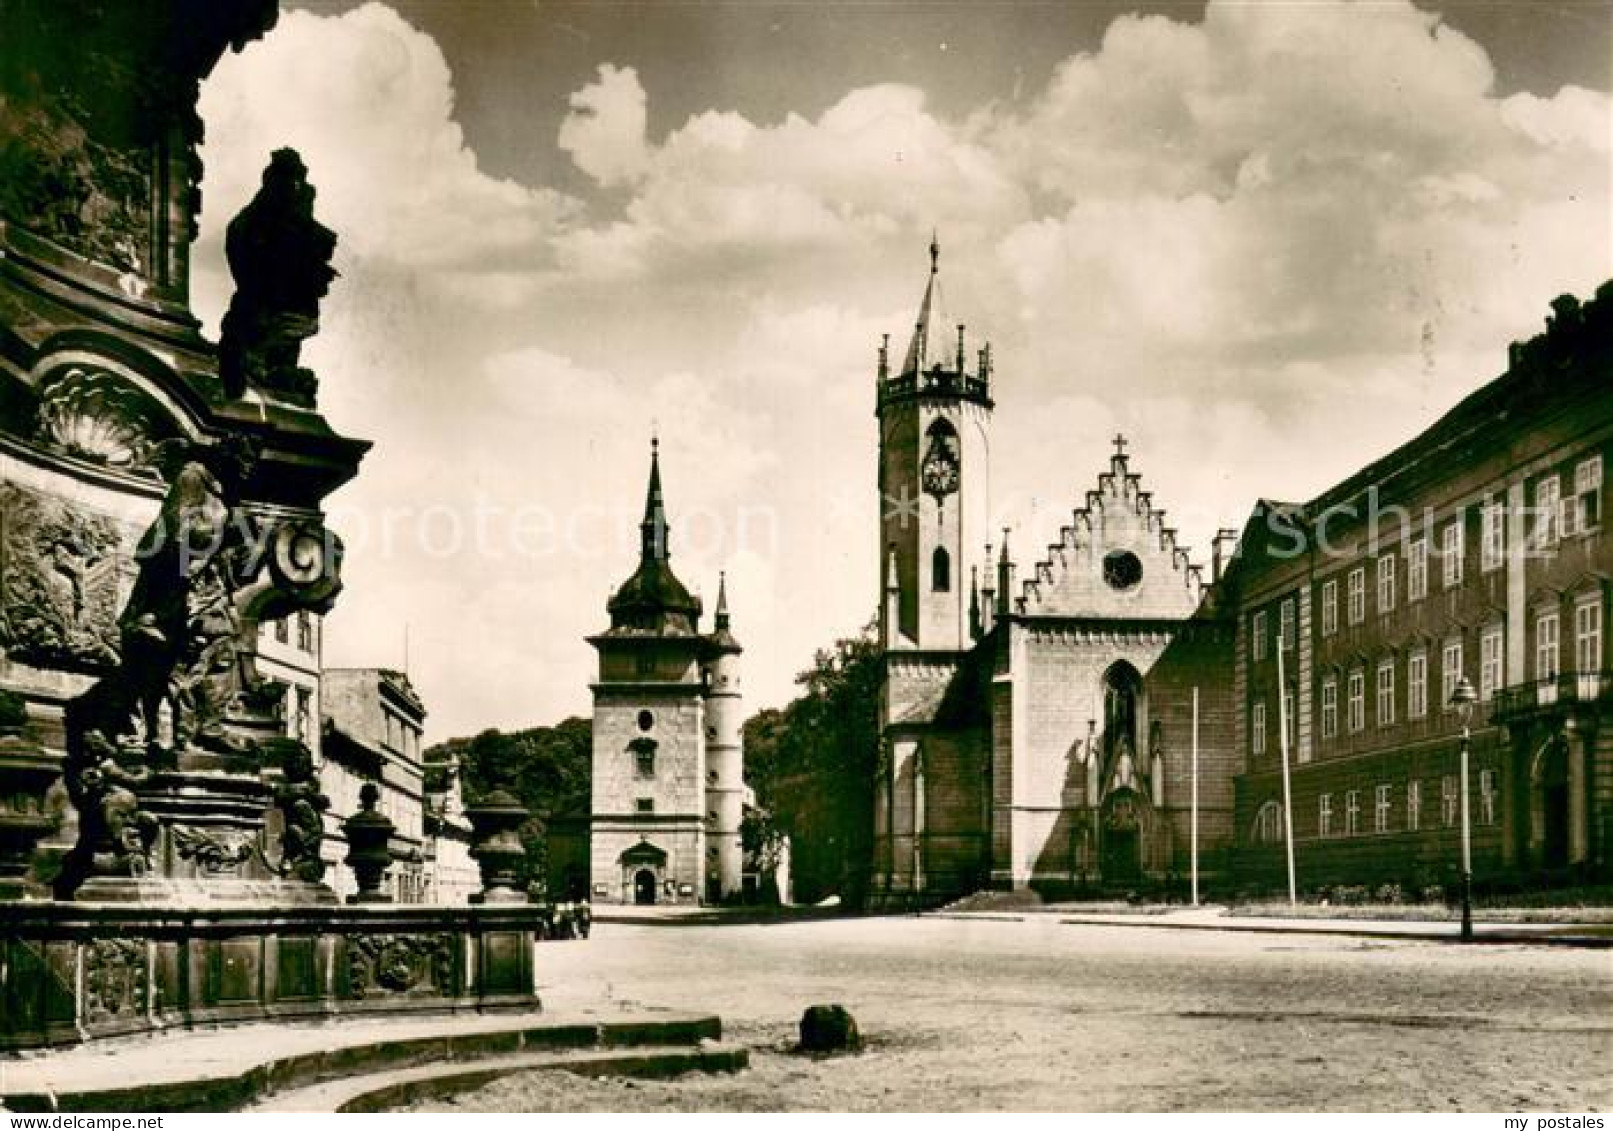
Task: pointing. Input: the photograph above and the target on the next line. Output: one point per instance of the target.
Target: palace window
(1357, 702)
(282, 631)
(1450, 672)
(941, 571)
(305, 632)
(1414, 805)
(1358, 595)
(1584, 510)
(1382, 807)
(1257, 635)
(1324, 815)
(1490, 662)
(1417, 685)
(1330, 707)
(1492, 537)
(1269, 824)
(1352, 812)
(644, 805)
(1452, 547)
(1330, 607)
(1487, 797)
(1257, 727)
(1285, 623)
(1386, 693)
(1386, 583)
(1588, 635)
(1417, 570)
(1547, 659)
(1548, 502)
(1448, 800)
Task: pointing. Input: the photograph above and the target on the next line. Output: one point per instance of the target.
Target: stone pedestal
(72, 972)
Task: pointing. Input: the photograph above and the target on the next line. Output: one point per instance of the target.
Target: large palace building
(1043, 730)
(1478, 550)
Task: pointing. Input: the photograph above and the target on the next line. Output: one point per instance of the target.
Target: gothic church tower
(934, 481)
(934, 415)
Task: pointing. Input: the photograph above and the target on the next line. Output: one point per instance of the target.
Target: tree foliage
(549, 769)
(813, 766)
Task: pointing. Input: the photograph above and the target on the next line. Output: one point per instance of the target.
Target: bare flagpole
(1193, 823)
(1282, 740)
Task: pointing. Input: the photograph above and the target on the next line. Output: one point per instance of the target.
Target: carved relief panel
(62, 582)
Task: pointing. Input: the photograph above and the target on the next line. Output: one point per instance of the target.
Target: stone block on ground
(829, 1028)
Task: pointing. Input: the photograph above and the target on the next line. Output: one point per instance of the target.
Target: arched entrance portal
(1549, 804)
(644, 866)
(1122, 837)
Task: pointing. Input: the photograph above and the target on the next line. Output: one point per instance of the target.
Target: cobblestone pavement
(1037, 1015)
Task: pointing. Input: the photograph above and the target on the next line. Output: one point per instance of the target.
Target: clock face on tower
(939, 472)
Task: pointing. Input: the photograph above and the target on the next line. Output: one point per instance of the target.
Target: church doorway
(1120, 857)
(1121, 845)
(644, 887)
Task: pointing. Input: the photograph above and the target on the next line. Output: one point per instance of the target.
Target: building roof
(653, 601)
(1562, 371)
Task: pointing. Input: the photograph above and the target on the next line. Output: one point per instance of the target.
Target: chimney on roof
(1222, 547)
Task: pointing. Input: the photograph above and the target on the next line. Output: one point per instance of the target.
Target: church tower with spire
(668, 774)
(934, 412)
(934, 415)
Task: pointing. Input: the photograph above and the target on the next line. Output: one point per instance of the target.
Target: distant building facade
(452, 875)
(668, 772)
(1477, 550)
(289, 652)
(372, 731)
(1037, 731)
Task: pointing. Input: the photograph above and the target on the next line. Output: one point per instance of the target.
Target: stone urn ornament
(369, 847)
(26, 773)
(496, 821)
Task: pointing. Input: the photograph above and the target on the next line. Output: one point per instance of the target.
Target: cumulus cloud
(1268, 245)
(368, 101)
(604, 133)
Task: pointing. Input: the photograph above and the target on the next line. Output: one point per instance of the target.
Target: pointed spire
(653, 530)
(928, 348)
(722, 601)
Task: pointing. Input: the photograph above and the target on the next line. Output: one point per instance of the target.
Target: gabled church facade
(1037, 731)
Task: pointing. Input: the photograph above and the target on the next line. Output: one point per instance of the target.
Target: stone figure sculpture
(301, 806)
(279, 256)
(181, 639)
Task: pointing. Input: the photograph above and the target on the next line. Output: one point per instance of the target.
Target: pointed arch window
(941, 570)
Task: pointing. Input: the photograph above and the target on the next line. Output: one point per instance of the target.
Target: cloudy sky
(1268, 241)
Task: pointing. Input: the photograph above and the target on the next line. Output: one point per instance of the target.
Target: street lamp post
(1463, 699)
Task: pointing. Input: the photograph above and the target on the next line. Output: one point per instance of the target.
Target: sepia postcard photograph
(806, 556)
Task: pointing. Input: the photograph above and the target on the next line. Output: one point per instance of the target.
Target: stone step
(384, 1091)
(228, 1069)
